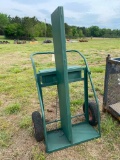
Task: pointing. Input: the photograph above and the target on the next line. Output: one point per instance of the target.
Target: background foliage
(30, 27)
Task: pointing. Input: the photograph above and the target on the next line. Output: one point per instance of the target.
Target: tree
(88, 34)
(4, 20)
(49, 30)
(102, 33)
(95, 31)
(80, 32)
(28, 25)
(108, 33)
(39, 29)
(83, 30)
(67, 29)
(70, 34)
(15, 19)
(14, 31)
(74, 32)
(11, 31)
(29, 28)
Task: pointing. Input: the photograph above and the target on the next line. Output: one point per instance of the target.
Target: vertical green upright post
(57, 18)
(86, 94)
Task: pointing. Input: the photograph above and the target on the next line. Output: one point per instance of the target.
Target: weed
(37, 154)
(8, 87)
(0, 102)
(97, 88)
(15, 69)
(25, 122)
(4, 139)
(108, 125)
(91, 95)
(97, 69)
(50, 65)
(4, 124)
(2, 76)
(77, 102)
(75, 105)
(102, 92)
(12, 108)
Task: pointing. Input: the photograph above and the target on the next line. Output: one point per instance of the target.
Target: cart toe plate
(81, 133)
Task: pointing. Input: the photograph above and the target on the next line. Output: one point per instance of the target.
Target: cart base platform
(81, 132)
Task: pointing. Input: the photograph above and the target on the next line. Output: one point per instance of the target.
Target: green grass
(4, 139)
(25, 122)
(18, 99)
(109, 126)
(0, 103)
(97, 69)
(15, 69)
(75, 105)
(12, 108)
(37, 154)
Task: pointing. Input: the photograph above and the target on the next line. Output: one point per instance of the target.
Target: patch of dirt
(21, 147)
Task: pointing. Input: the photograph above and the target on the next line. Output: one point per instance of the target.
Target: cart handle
(88, 70)
(33, 63)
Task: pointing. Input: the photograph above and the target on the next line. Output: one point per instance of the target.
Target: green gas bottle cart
(68, 134)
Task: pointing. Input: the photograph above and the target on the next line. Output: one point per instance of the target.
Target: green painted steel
(57, 18)
(61, 76)
(48, 76)
(52, 137)
(86, 94)
(81, 133)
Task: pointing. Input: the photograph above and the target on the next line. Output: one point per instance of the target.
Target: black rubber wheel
(93, 113)
(38, 126)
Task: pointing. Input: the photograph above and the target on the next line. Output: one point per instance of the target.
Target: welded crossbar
(48, 77)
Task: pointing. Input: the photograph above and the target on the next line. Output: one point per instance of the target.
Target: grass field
(18, 99)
